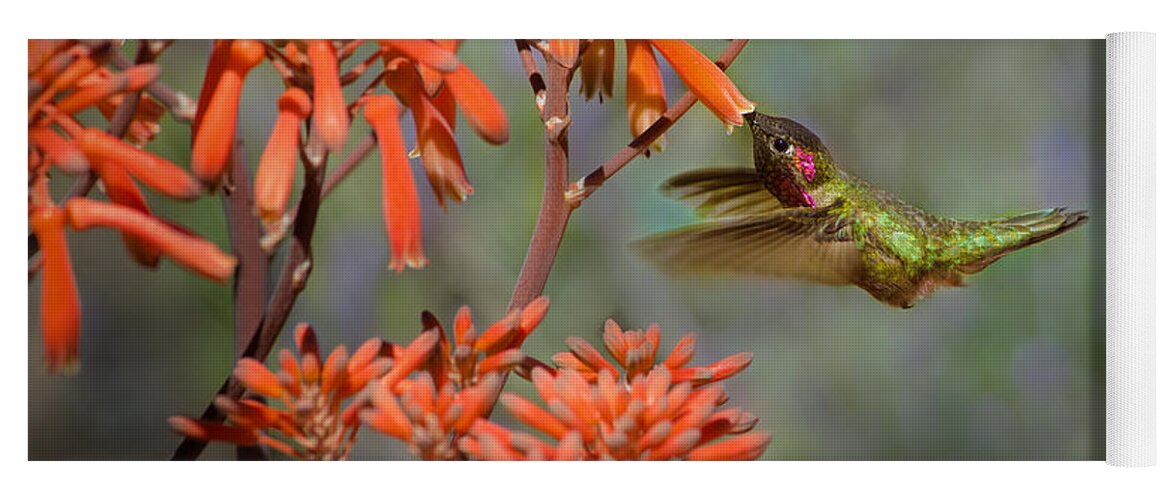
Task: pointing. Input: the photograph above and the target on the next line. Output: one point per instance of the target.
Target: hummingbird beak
(750, 118)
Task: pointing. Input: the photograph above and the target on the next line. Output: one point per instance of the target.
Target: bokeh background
(1010, 367)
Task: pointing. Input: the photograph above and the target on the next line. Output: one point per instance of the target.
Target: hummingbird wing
(813, 244)
(723, 192)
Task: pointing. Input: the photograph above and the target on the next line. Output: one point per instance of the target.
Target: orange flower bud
(221, 51)
(161, 175)
(433, 79)
(192, 252)
(441, 159)
(331, 119)
(425, 52)
(400, 201)
(76, 70)
(564, 51)
(60, 307)
(278, 163)
(705, 80)
(61, 152)
(41, 51)
(257, 378)
(645, 98)
(131, 80)
(217, 124)
(480, 107)
(748, 446)
(122, 190)
(211, 431)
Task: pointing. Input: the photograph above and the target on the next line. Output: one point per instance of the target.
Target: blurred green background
(1010, 367)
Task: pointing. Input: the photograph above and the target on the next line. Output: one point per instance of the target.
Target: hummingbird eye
(782, 146)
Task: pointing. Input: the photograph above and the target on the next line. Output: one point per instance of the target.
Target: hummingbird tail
(1039, 226)
(1045, 224)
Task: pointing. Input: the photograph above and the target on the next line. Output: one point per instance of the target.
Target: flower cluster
(456, 384)
(66, 78)
(313, 421)
(423, 76)
(645, 97)
(435, 395)
(650, 412)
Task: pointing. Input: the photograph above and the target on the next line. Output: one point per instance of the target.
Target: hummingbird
(798, 215)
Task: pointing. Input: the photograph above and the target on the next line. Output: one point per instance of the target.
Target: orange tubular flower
(400, 202)
(592, 412)
(314, 423)
(458, 380)
(278, 163)
(215, 129)
(60, 307)
(433, 78)
(710, 85)
(441, 160)
(429, 53)
(645, 99)
(122, 190)
(331, 119)
(480, 107)
(159, 174)
(61, 78)
(131, 80)
(597, 70)
(192, 252)
(67, 77)
(58, 151)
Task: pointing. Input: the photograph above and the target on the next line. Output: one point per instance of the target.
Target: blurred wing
(810, 244)
(723, 192)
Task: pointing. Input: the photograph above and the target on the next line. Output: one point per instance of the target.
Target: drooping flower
(219, 102)
(597, 70)
(427, 78)
(645, 98)
(592, 411)
(331, 121)
(400, 202)
(314, 420)
(278, 163)
(66, 78)
(455, 383)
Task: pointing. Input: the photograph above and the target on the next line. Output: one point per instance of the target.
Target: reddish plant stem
(359, 153)
(535, 79)
(557, 207)
(249, 289)
(555, 211)
(586, 186)
(298, 264)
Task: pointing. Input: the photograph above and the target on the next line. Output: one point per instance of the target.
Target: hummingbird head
(790, 159)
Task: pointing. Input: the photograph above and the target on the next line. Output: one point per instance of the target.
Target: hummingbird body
(798, 215)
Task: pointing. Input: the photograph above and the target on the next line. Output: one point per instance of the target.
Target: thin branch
(298, 264)
(586, 186)
(555, 212)
(535, 80)
(249, 289)
(360, 152)
(181, 107)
